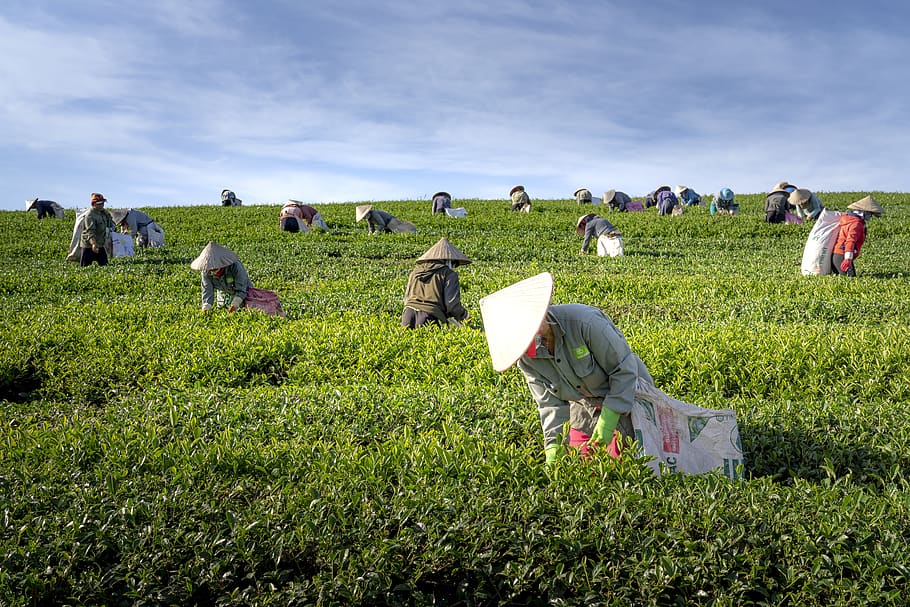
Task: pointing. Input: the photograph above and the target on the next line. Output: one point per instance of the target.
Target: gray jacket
(592, 362)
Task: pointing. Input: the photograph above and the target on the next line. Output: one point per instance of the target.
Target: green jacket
(433, 287)
(96, 229)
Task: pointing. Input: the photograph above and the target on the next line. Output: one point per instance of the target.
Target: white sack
(75, 249)
(459, 212)
(122, 244)
(609, 246)
(683, 437)
(817, 254)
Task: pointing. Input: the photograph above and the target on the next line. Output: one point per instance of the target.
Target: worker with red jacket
(852, 234)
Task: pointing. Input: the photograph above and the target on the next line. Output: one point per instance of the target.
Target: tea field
(154, 455)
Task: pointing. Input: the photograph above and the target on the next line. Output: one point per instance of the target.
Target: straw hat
(867, 204)
(444, 250)
(119, 215)
(799, 197)
(518, 188)
(680, 189)
(609, 195)
(512, 316)
(446, 194)
(582, 223)
(782, 186)
(214, 256)
(362, 211)
(30, 203)
(575, 193)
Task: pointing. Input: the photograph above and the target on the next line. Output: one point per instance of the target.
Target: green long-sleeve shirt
(96, 227)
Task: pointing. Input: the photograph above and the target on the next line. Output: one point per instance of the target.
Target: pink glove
(845, 265)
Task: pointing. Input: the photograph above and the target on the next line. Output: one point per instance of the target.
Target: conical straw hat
(867, 204)
(583, 219)
(512, 316)
(609, 195)
(444, 250)
(799, 197)
(30, 203)
(214, 256)
(362, 211)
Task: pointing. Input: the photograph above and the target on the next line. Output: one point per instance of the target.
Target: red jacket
(851, 235)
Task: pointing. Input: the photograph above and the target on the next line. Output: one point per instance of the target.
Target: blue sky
(169, 102)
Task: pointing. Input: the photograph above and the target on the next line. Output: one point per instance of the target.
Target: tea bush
(153, 455)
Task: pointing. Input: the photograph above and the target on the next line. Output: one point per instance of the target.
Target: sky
(168, 102)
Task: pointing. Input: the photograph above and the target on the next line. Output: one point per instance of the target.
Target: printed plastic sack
(817, 253)
(609, 246)
(683, 437)
(635, 205)
(121, 244)
(459, 212)
(265, 300)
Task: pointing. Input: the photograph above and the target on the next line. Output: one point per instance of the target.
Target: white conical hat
(214, 256)
(512, 316)
(609, 195)
(362, 211)
(799, 197)
(444, 250)
(30, 203)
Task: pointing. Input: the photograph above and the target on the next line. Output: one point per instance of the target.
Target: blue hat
(726, 194)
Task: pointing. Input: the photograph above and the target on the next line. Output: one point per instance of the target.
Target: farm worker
(591, 226)
(96, 233)
(520, 199)
(45, 208)
(221, 271)
(135, 223)
(651, 198)
(441, 202)
(851, 234)
(298, 217)
(777, 203)
(290, 218)
(583, 196)
(433, 293)
(687, 195)
(723, 203)
(577, 364)
(380, 221)
(805, 203)
(667, 203)
(229, 199)
(616, 200)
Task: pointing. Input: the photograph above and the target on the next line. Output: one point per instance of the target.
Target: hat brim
(512, 316)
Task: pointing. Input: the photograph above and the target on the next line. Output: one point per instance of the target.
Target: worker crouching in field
(583, 196)
(723, 203)
(95, 238)
(140, 226)
(616, 200)
(577, 364)
(805, 204)
(520, 199)
(433, 292)
(441, 202)
(852, 234)
(298, 217)
(45, 208)
(609, 238)
(381, 222)
(223, 275)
